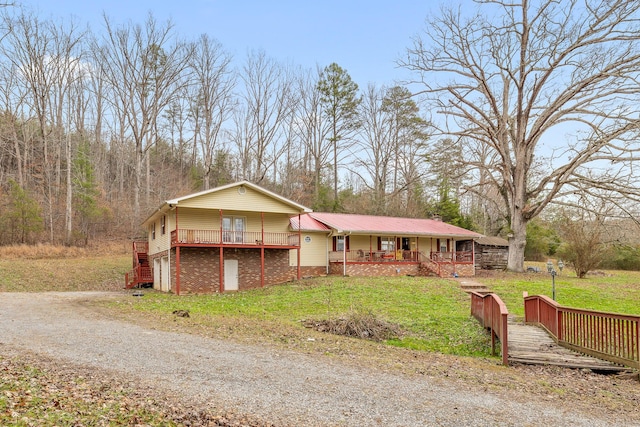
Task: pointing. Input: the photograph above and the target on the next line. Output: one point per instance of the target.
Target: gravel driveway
(280, 387)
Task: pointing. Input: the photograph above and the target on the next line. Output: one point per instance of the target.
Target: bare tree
(267, 103)
(312, 129)
(516, 75)
(585, 241)
(377, 146)
(144, 67)
(213, 101)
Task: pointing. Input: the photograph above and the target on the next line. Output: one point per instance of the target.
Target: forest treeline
(97, 128)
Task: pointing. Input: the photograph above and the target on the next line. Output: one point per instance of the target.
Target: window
(233, 229)
(339, 242)
(163, 221)
(153, 231)
(388, 244)
(443, 245)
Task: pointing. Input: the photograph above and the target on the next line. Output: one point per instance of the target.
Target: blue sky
(363, 37)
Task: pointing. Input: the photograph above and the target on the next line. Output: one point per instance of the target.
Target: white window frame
(229, 232)
(387, 244)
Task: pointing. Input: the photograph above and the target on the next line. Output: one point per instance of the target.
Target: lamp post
(560, 265)
(553, 284)
(549, 266)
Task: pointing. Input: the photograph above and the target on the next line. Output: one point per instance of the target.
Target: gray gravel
(281, 387)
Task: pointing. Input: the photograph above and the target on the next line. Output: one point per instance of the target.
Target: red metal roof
(382, 225)
(307, 224)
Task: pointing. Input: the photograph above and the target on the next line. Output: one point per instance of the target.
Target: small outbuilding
(492, 253)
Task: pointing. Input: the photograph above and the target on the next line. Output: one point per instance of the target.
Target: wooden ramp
(532, 345)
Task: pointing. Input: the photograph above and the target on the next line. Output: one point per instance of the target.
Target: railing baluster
(614, 337)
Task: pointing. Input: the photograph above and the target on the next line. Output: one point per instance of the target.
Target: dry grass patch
(48, 251)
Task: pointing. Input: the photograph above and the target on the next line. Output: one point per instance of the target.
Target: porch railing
(361, 255)
(457, 256)
(492, 313)
(204, 237)
(608, 336)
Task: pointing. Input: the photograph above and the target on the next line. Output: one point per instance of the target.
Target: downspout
(299, 273)
(262, 250)
(177, 256)
(169, 251)
(221, 252)
(326, 244)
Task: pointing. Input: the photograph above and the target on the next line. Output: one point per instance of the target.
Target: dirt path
(280, 387)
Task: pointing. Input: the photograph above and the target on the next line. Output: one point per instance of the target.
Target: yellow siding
(362, 242)
(231, 199)
(313, 253)
(162, 241)
(426, 245)
(198, 219)
(209, 219)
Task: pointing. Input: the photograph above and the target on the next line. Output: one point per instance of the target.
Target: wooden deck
(532, 345)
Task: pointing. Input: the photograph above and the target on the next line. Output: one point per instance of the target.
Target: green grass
(434, 313)
(613, 291)
(64, 274)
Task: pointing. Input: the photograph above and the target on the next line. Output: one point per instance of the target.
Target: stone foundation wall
(308, 272)
(400, 269)
(376, 269)
(461, 270)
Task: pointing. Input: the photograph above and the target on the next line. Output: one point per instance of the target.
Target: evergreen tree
(85, 191)
(340, 103)
(23, 216)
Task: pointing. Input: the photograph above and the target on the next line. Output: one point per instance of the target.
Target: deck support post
(178, 270)
(262, 250)
(221, 262)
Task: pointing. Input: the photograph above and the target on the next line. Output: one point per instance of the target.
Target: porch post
(344, 255)
(220, 212)
(221, 269)
(262, 249)
(178, 270)
(262, 266)
(299, 272)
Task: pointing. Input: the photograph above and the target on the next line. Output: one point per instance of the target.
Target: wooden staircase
(140, 274)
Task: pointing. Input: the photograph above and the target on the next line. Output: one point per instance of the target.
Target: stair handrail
(608, 336)
(492, 313)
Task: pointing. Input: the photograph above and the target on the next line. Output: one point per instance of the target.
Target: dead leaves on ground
(31, 396)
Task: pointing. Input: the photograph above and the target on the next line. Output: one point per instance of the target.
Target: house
(366, 245)
(242, 236)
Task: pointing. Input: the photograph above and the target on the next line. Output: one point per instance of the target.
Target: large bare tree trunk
(513, 77)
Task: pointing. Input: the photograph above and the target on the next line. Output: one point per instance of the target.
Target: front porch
(402, 262)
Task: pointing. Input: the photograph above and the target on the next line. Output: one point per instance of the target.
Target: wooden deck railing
(458, 256)
(216, 237)
(608, 336)
(492, 313)
(361, 255)
(365, 255)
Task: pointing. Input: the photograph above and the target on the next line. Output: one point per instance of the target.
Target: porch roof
(379, 225)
